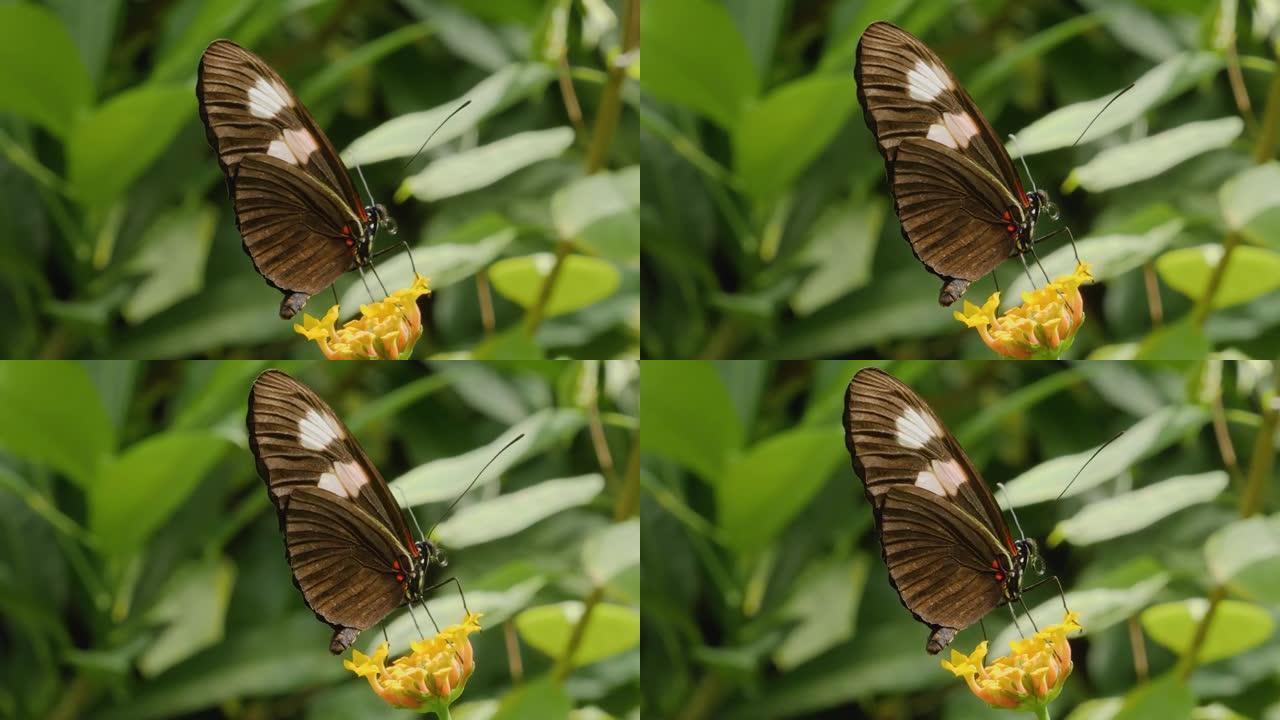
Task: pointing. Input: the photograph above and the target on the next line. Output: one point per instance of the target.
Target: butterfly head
(429, 557)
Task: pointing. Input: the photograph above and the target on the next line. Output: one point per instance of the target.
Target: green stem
(1042, 712)
(564, 665)
(539, 309)
(610, 110)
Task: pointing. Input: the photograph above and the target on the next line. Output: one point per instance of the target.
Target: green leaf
(1236, 627)
(782, 133)
(1245, 556)
(825, 603)
(446, 606)
(1133, 511)
(1250, 193)
(113, 145)
(54, 416)
(514, 343)
(689, 416)
(443, 264)
(1109, 256)
(1165, 697)
(1146, 158)
(998, 70)
(543, 698)
(147, 482)
(512, 512)
(334, 75)
(92, 26)
(611, 629)
(1099, 608)
(1252, 272)
(173, 255)
(482, 166)
(601, 213)
(1061, 127)
(849, 231)
(445, 478)
(402, 136)
(583, 281)
(766, 486)
(612, 550)
(1150, 435)
(44, 80)
(193, 608)
(1182, 340)
(697, 58)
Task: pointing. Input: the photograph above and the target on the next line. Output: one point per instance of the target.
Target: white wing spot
(267, 98)
(954, 130)
(942, 478)
(316, 430)
(302, 144)
(926, 82)
(915, 430)
(280, 149)
(345, 481)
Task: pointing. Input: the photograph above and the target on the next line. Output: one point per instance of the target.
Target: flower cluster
(1029, 678)
(385, 330)
(1041, 328)
(430, 677)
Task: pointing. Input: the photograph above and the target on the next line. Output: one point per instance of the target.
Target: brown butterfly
(301, 219)
(961, 204)
(345, 537)
(949, 552)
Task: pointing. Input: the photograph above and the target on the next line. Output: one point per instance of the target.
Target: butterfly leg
(430, 616)
(1016, 624)
(334, 288)
(1027, 268)
(415, 621)
(385, 639)
(1057, 582)
(404, 245)
(365, 281)
(984, 629)
(461, 596)
(377, 277)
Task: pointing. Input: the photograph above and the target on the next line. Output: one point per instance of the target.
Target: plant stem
(1042, 713)
(539, 309)
(706, 697)
(629, 498)
(564, 665)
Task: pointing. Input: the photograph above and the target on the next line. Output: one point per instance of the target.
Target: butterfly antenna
(463, 494)
(367, 192)
(1009, 502)
(1014, 139)
(1101, 447)
(1104, 109)
(404, 504)
(433, 134)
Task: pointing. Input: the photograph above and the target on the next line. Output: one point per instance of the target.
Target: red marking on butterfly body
(399, 577)
(413, 547)
(999, 577)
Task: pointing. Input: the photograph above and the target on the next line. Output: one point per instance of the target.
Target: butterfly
(961, 204)
(950, 555)
(352, 555)
(301, 219)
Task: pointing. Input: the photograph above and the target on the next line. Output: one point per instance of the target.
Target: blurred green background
(142, 572)
(117, 237)
(765, 593)
(769, 230)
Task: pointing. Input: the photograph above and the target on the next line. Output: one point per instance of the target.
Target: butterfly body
(950, 555)
(301, 219)
(346, 541)
(962, 205)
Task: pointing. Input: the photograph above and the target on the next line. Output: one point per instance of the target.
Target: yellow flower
(385, 330)
(430, 677)
(1029, 677)
(1042, 327)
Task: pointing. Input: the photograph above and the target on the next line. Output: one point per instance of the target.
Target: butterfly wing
(347, 564)
(915, 474)
(935, 555)
(296, 231)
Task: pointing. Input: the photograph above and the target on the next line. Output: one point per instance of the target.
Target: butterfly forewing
(940, 527)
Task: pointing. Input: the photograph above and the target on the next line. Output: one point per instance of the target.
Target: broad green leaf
(1176, 341)
(697, 58)
(1100, 709)
(781, 134)
(1252, 272)
(445, 478)
(1236, 627)
(825, 604)
(482, 166)
(402, 136)
(53, 415)
(1133, 511)
(850, 232)
(1165, 697)
(611, 550)
(583, 281)
(1149, 436)
(335, 75)
(601, 213)
(1245, 556)
(689, 416)
(231, 312)
(188, 34)
(44, 80)
(764, 487)
(611, 629)
(1250, 193)
(193, 609)
(509, 513)
(1109, 256)
(1061, 127)
(543, 698)
(514, 343)
(1146, 158)
(443, 265)
(446, 607)
(147, 482)
(1099, 608)
(92, 26)
(111, 146)
(998, 70)
(173, 255)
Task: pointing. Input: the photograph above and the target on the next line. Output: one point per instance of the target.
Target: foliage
(766, 595)
(119, 237)
(769, 230)
(142, 572)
